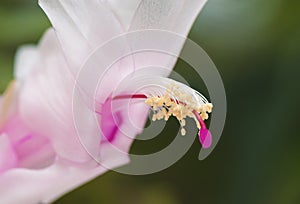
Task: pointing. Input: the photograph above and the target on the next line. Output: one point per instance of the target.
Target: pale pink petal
(25, 59)
(124, 10)
(46, 104)
(176, 17)
(46, 185)
(81, 26)
(8, 157)
(32, 151)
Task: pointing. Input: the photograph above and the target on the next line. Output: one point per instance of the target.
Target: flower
(80, 35)
(42, 156)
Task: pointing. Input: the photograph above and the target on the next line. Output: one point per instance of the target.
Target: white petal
(173, 16)
(176, 16)
(25, 58)
(124, 10)
(46, 104)
(81, 26)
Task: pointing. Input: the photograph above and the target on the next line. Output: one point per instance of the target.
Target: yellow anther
(209, 107)
(183, 132)
(175, 102)
(154, 117)
(183, 122)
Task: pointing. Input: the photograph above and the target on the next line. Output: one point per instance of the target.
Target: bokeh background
(255, 45)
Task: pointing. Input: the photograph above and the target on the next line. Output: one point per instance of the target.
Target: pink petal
(32, 151)
(46, 104)
(110, 122)
(46, 185)
(8, 158)
(132, 123)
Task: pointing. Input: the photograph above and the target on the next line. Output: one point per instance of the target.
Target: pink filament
(134, 96)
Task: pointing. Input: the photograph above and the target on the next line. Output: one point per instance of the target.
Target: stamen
(180, 101)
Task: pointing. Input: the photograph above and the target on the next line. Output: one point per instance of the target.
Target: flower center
(180, 102)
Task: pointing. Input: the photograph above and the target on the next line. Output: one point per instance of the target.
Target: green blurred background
(255, 45)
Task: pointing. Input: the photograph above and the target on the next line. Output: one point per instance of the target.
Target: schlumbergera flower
(42, 156)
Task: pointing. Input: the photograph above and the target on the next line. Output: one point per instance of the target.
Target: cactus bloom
(42, 156)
